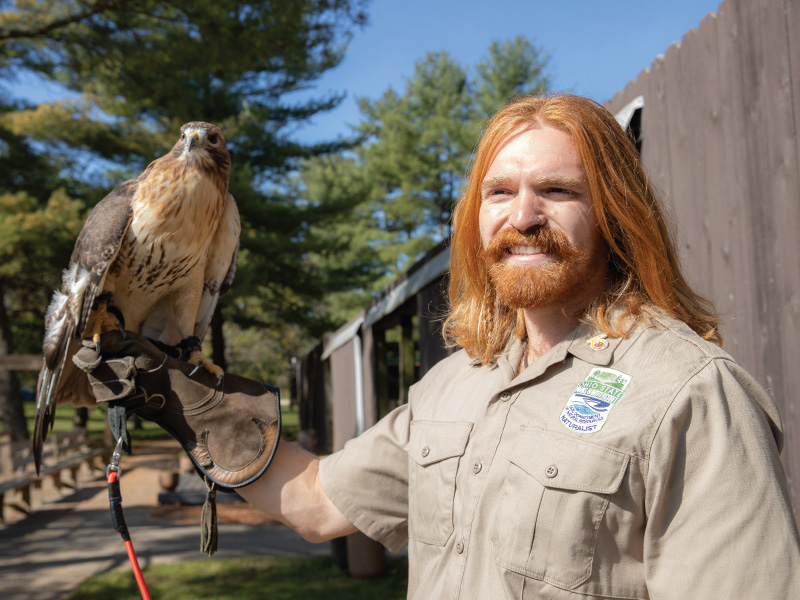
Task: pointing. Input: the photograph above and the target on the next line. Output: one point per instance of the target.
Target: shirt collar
(592, 346)
(577, 343)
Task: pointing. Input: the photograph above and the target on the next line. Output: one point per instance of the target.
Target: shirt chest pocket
(434, 451)
(555, 494)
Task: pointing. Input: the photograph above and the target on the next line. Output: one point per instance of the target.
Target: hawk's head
(202, 145)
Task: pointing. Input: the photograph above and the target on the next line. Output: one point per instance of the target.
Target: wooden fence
(720, 138)
(20, 362)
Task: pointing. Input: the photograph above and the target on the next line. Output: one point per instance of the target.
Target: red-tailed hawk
(153, 257)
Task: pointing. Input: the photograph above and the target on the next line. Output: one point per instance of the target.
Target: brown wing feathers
(95, 249)
(100, 241)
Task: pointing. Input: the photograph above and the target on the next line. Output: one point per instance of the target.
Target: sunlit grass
(249, 578)
(290, 422)
(143, 430)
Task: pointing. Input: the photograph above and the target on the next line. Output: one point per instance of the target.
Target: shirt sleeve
(368, 480)
(719, 520)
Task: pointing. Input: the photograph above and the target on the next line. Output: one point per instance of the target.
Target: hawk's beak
(192, 140)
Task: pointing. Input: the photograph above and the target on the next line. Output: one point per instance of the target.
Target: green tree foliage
(415, 153)
(132, 71)
(38, 224)
(511, 67)
(351, 241)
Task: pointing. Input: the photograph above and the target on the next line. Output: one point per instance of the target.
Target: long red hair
(647, 278)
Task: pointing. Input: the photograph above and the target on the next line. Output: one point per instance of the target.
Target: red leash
(118, 520)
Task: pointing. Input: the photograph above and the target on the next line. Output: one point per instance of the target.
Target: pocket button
(425, 451)
(551, 471)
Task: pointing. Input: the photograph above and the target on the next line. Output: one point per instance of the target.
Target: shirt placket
(481, 453)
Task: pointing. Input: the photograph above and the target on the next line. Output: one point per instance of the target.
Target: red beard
(559, 280)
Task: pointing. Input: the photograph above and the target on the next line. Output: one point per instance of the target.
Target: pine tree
(132, 72)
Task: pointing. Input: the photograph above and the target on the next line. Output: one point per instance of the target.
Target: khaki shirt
(645, 469)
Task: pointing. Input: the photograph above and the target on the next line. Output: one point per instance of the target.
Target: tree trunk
(81, 417)
(218, 339)
(10, 396)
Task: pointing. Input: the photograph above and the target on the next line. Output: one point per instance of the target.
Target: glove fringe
(209, 535)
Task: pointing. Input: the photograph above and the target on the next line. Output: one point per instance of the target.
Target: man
(588, 441)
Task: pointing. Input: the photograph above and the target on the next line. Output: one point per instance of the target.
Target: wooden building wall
(343, 395)
(720, 139)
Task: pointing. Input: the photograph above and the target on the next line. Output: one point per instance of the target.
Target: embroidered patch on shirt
(588, 407)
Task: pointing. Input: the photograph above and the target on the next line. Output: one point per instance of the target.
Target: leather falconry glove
(230, 431)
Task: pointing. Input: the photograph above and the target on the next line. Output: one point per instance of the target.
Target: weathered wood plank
(20, 362)
(739, 324)
(709, 176)
(791, 313)
(779, 195)
(656, 134)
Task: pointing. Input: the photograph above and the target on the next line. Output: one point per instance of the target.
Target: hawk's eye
(183, 135)
(213, 138)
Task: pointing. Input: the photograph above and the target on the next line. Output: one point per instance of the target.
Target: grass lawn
(65, 417)
(251, 578)
(290, 422)
(143, 430)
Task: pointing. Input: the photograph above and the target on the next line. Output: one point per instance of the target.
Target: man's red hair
(647, 278)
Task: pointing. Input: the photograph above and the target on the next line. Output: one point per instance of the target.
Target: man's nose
(526, 211)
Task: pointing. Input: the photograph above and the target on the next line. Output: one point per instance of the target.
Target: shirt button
(425, 451)
(476, 467)
(505, 396)
(460, 547)
(551, 471)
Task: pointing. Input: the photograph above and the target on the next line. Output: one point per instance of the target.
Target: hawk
(154, 256)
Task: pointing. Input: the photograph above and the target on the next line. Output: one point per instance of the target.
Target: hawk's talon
(199, 360)
(102, 321)
(219, 381)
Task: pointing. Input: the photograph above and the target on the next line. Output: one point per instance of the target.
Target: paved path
(49, 553)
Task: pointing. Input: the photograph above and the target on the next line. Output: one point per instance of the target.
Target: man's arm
(720, 524)
(290, 492)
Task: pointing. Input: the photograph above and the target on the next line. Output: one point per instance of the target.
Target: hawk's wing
(221, 266)
(95, 250)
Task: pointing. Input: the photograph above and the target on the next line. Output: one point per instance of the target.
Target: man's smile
(525, 250)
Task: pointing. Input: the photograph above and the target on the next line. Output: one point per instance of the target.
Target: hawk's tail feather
(60, 326)
(46, 401)
(45, 411)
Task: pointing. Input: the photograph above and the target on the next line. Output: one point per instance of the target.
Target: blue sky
(596, 46)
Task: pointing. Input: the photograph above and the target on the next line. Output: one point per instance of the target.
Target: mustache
(549, 240)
